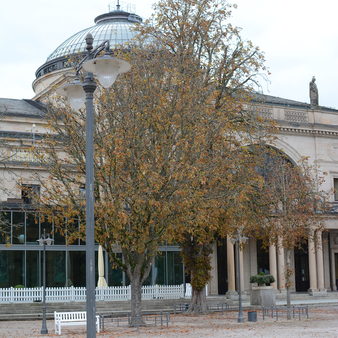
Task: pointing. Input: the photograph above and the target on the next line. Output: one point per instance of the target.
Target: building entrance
(262, 258)
(222, 270)
(302, 268)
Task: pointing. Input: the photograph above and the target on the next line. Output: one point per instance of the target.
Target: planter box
(263, 295)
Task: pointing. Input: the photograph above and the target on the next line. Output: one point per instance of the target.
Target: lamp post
(43, 241)
(239, 239)
(106, 69)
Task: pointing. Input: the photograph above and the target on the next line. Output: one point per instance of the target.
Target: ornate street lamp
(106, 69)
(238, 239)
(43, 241)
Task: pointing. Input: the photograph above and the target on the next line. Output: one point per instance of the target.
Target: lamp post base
(44, 329)
(240, 319)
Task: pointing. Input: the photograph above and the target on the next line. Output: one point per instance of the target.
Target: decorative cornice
(292, 130)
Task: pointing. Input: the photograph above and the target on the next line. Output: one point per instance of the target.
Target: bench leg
(98, 325)
(58, 329)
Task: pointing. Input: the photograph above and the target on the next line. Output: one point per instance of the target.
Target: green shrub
(262, 279)
(19, 286)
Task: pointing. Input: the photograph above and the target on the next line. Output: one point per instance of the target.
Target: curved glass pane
(117, 33)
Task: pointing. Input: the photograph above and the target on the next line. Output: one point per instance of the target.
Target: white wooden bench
(72, 318)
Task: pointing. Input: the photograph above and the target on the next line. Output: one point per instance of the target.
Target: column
(231, 268)
(281, 266)
(333, 269)
(326, 260)
(312, 264)
(213, 282)
(320, 261)
(273, 264)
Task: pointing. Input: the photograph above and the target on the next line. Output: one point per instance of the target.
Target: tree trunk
(288, 282)
(198, 304)
(136, 305)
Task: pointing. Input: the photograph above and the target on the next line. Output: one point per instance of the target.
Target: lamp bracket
(105, 45)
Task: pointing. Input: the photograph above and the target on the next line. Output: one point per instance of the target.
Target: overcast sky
(299, 38)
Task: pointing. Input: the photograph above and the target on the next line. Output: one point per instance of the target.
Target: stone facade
(304, 131)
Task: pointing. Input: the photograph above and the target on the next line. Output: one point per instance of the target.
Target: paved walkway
(309, 301)
(323, 322)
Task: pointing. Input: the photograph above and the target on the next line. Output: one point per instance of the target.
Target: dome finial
(118, 5)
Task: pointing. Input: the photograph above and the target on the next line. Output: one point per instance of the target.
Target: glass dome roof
(115, 26)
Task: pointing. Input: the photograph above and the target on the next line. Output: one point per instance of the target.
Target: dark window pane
(32, 269)
(32, 228)
(82, 232)
(18, 228)
(177, 268)
(160, 269)
(46, 225)
(115, 276)
(76, 268)
(5, 227)
(11, 268)
(73, 227)
(58, 237)
(168, 268)
(55, 268)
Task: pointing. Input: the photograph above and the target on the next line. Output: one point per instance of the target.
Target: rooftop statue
(313, 92)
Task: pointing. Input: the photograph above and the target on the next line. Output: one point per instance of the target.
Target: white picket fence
(78, 294)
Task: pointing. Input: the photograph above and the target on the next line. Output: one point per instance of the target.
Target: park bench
(214, 307)
(72, 318)
(279, 311)
(150, 318)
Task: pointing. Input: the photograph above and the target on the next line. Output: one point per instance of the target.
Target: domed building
(23, 124)
(117, 26)
(305, 129)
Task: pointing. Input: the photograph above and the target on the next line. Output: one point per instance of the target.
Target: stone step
(25, 311)
(34, 310)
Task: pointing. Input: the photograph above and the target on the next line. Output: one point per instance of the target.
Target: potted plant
(262, 279)
(263, 294)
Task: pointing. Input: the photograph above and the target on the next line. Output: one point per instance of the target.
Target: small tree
(296, 205)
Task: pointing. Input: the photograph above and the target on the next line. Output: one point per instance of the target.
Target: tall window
(335, 185)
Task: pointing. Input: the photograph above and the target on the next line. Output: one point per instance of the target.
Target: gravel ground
(323, 322)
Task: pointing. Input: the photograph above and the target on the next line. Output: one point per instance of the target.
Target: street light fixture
(106, 68)
(238, 239)
(43, 241)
